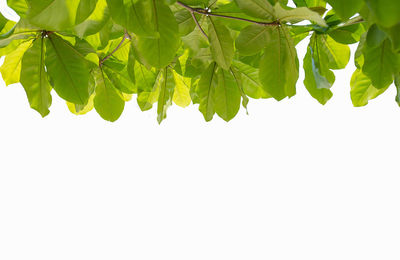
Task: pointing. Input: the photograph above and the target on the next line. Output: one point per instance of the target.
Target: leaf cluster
(215, 53)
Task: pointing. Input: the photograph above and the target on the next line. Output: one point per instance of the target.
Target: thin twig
(198, 24)
(205, 12)
(192, 11)
(114, 51)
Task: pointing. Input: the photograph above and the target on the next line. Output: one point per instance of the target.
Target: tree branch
(192, 11)
(126, 36)
(207, 13)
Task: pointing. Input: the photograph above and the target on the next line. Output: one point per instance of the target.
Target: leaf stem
(126, 36)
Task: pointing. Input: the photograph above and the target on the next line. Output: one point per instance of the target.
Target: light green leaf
(362, 89)
(83, 109)
(19, 6)
(117, 73)
(146, 99)
(108, 101)
(297, 15)
(95, 21)
(11, 68)
(227, 95)
(159, 52)
(34, 78)
(167, 88)
(56, 15)
(68, 69)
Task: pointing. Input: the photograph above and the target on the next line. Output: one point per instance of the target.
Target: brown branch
(192, 11)
(126, 36)
(207, 13)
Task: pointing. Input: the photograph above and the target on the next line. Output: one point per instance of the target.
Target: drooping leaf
(317, 85)
(362, 89)
(34, 78)
(299, 14)
(160, 51)
(95, 21)
(262, 9)
(68, 70)
(182, 90)
(206, 92)
(249, 77)
(11, 68)
(227, 95)
(381, 64)
(221, 43)
(279, 66)
(346, 9)
(385, 12)
(167, 88)
(56, 15)
(108, 101)
(19, 6)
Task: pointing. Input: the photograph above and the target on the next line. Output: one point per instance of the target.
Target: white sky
(293, 180)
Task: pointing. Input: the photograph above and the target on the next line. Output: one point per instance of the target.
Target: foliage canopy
(215, 53)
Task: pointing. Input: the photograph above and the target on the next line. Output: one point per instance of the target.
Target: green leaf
(381, 64)
(146, 99)
(345, 8)
(81, 109)
(68, 69)
(397, 84)
(227, 95)
(108, 101)
(185, 22)
(182, 90)
(118, 11)
(257, 8)
(221, 43)
(167, 88)
(385, 12)
(238, 80)
(249, 76)
(310, 3)
(11, 68)
(206, 92)
(338, 55)
(297, 15)
(252, 39)
(347, 34)
(56, 15)
(141, 18)
(117, 73)
(95, 21)
(317, 85)
(279, 66)
(362, 89)
(159, 52)
(34, 78)
(19, 6)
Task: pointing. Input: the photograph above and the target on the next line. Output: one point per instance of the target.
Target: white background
(293, 180)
